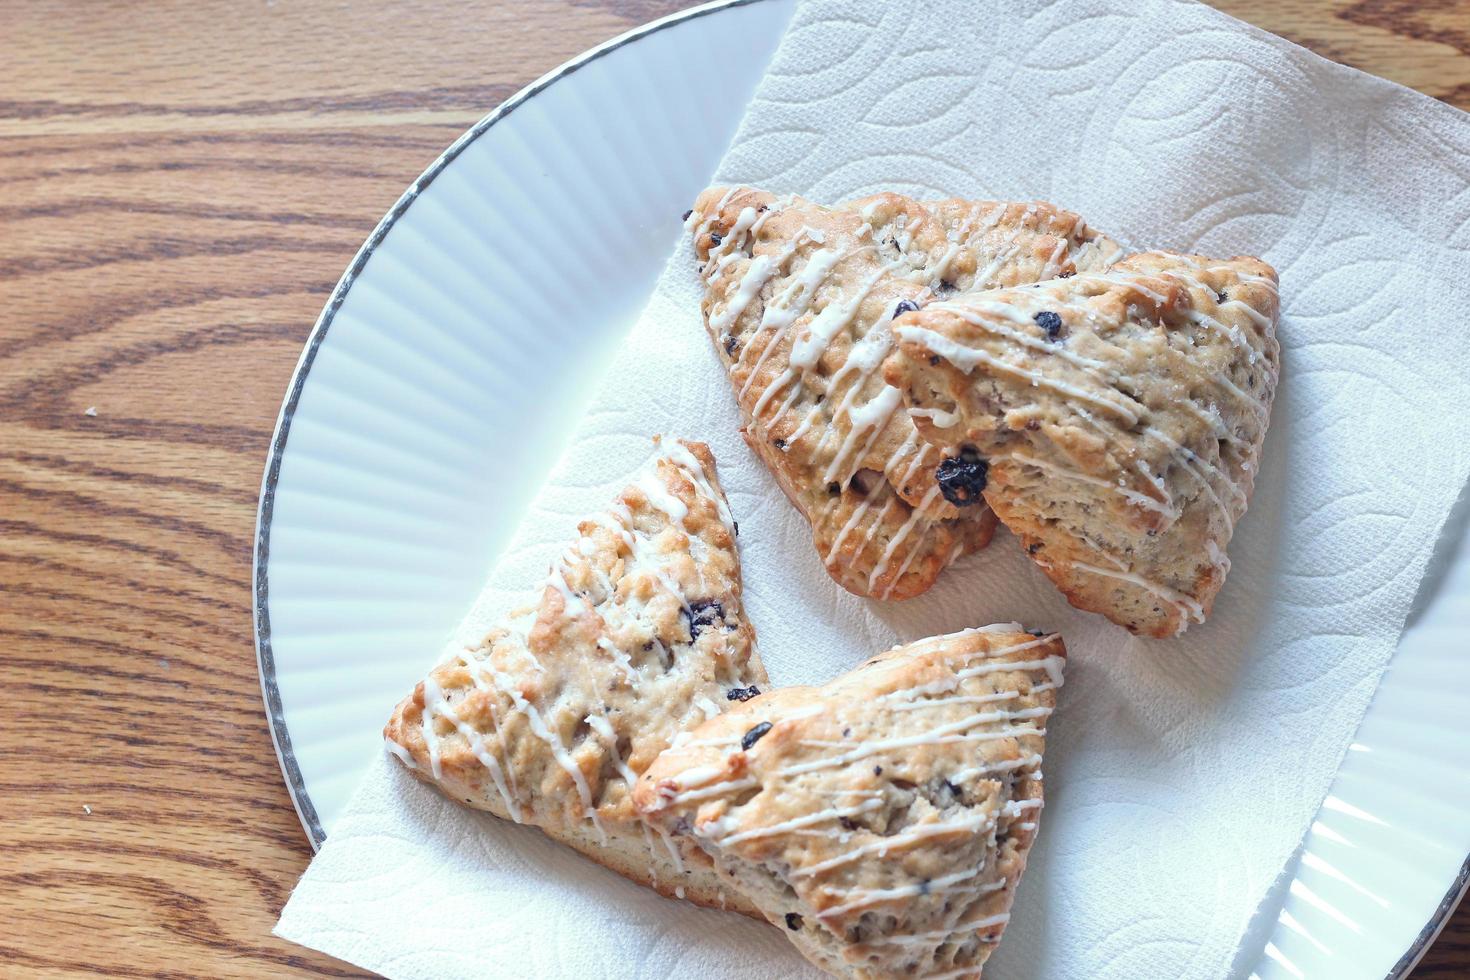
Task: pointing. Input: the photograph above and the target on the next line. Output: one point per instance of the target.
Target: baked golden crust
(881, 821)
(1115, 421)
(639, 634)
(798, 301)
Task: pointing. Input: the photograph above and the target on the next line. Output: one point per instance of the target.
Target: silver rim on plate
(265, 658)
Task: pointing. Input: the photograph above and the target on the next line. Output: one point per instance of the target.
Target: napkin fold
(1181, 774)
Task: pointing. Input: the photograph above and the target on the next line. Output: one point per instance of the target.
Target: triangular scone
(798, 301)
(639, 635)
(1114, 421)
(881, 821)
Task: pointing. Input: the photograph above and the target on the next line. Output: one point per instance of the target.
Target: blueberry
(834, 488)
(1050, 322)
(962, 478)
(715, 238)
(1220, 296)
(924, 887)
(731, 346)
(755, 735)
(793, 921)
(877, 770)
(847, 823)
(742, 693)
(687, 214)
(1068, 274)
(904, 306)
(702, 614)
(945, 286)
(780, 443)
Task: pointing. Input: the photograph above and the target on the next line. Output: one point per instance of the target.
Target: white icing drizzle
(554, 743)
(969, 310)
(761, 268)
(1068, 296)
(952, 733)
(809, 348)
(961, 699)
(967, 824)
(672, 848)
(661, 499)
(704, 793)
(599, 724)
(404, 756)
(676, 453)
(433, 697)
(435, 704)
(976, 924)
(874, 896)
(858, 513)
(867, 420)
(915, 519)
(1135, 498)
(967, 774)
(783, 310)
(1192, 610)
(968, 358)
(936, 416)
(1187, 460)
(573, 603)
(820, 817)
(620, 658)
(484, 684)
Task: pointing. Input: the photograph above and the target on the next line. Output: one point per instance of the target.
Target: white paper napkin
(1180, 774)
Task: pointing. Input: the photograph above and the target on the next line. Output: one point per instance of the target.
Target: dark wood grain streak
(181, 184)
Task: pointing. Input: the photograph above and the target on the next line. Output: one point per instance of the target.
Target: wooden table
(180, 186)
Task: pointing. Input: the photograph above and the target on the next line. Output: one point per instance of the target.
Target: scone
(1114, 422)
(639, 634)
(798, 303)
(882, 821)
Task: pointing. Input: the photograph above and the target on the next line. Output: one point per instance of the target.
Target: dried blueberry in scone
(639, 635)
(798, 302)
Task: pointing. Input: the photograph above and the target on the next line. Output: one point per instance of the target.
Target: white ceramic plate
(458, 350)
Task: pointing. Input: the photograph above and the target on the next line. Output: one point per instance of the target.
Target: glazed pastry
(1113, 421)
(882, 821)
(639, 634)
(798, 303)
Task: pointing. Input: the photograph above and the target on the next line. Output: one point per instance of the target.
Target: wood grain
(180, 186)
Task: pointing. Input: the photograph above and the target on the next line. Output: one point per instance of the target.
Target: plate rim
(1441, 917)
(265, 506)
(265, 658)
